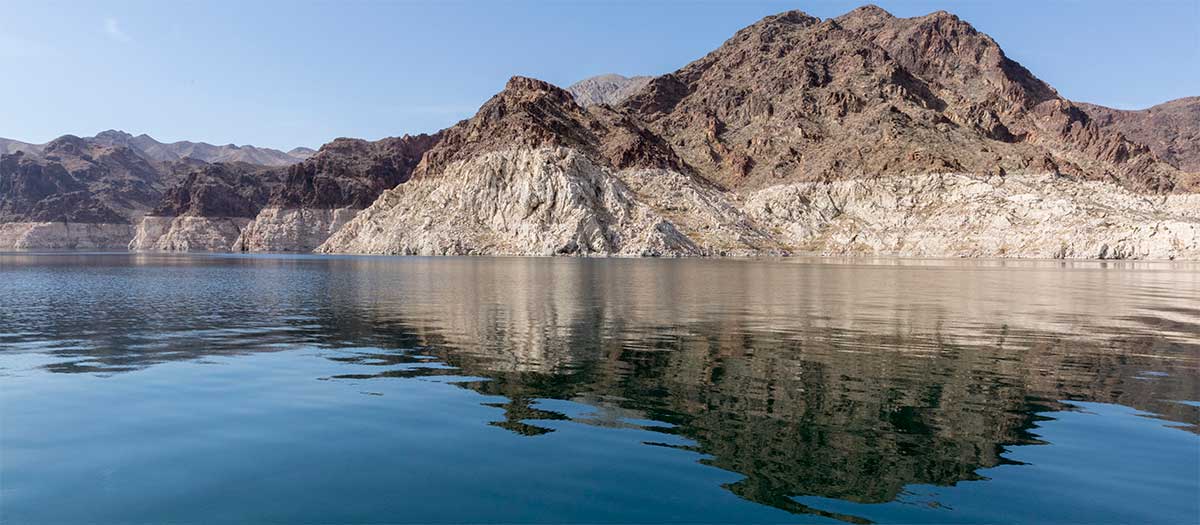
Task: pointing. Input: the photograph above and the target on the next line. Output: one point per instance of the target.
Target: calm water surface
(204, 389)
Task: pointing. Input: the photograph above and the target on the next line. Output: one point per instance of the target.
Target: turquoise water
(204, 389)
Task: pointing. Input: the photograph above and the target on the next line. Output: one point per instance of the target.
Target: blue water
(202, 389)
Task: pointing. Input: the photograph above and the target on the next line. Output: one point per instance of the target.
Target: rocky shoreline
(557, 202)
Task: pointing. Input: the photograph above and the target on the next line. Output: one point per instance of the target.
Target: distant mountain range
(864, 134)
(151, 149)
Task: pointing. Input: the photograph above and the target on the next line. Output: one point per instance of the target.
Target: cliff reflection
(847, 381)
(842, 382)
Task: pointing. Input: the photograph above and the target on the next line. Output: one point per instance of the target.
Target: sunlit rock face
(960, 215)
(291, 229)
(187, 234)
(548, 201)
(64, 236)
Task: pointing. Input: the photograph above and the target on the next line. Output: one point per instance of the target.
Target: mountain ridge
(154, 150)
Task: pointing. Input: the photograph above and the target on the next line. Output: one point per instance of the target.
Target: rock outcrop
(962, 215)
(64, 236)
(543, 201)
(187, 233)
(291, 229)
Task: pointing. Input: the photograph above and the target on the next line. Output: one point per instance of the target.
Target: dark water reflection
(846, 390)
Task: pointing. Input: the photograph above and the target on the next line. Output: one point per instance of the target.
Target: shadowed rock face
(795, 98)
(351, 172)
(220, 190)
(75, 181)
(1171, 129)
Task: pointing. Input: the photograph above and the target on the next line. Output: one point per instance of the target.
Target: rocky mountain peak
(114, 136)
(531, 113)
(794, 17)
(532, 89)
(794, 98)
(67, 145)
(869, 14)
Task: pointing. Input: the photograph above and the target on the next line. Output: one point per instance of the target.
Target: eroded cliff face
(555, 201)
(64, 236)
(291, 229)
(546, 201)
(187, 234)
(962, 215)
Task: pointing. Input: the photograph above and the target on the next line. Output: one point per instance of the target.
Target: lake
(227, 388)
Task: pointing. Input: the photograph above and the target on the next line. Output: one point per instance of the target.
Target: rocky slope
(795, 98)
(1170, 129)
(609, 89)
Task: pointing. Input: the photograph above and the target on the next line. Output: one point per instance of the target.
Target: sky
(300, 72)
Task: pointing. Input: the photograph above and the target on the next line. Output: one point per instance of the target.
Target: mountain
(531, 173)
(236, 206)
(609, 89)
(72, 180)
(154, 150)
(1170, 129)
(109, 192)
(795, 98)
(72, 193)
(862, 134)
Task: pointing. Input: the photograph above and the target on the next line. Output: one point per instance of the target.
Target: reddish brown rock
(1171, 130)
(351, 172)
(530, 113)
(794, 98)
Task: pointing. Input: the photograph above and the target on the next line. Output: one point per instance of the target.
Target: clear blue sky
(289, 73)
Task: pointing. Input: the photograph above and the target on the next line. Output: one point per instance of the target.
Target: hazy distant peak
(609, 88)
(151, 149)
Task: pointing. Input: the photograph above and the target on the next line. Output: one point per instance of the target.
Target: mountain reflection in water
(825, 386)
